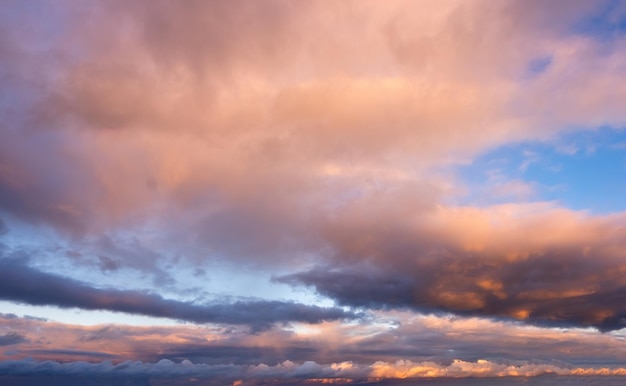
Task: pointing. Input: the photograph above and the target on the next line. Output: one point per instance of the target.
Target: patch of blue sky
(607, 23)
(538, 65)
(583, 170)
(77, 259)
(78, 316)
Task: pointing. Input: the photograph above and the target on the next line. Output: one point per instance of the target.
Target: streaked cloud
(24, 284)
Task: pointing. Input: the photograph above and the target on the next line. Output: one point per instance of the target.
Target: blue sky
(583, 170)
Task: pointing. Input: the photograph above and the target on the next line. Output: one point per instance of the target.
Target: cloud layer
(21, 283)
(346, 371)
(258, 141)
(385, 337)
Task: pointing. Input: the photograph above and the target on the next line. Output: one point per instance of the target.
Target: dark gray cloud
(183, 371)
(564, 288)
(24, 284)
(11, 338)
(68, 380)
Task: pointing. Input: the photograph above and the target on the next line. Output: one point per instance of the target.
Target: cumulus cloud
(347, 371)
(24, 284)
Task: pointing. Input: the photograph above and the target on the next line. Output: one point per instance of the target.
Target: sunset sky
(212, 192)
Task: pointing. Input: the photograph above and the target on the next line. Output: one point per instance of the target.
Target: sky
(308, 192)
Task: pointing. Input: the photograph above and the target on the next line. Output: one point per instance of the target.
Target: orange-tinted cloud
(260, 132)
(244, 102)
(533, 262)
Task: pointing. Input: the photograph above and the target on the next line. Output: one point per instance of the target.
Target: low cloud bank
(401, 369)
